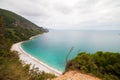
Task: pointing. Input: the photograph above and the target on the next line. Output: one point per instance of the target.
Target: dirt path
(75, 75)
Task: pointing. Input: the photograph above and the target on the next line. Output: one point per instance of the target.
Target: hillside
(105, 65)
(14, 28)
(13, 19)
(17, 27)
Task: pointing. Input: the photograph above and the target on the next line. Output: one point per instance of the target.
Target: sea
(53, 47)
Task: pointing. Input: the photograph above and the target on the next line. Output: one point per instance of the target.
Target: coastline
(28, 59)
(33, 36)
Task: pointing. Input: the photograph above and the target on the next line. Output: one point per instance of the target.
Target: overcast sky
(68, 14)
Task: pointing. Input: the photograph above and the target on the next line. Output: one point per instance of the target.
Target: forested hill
(14, 28)
(17, 27)
(13, 19)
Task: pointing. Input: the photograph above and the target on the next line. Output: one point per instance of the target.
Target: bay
(52, 47)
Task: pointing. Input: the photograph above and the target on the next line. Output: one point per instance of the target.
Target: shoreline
(34, 36)
(28, 59)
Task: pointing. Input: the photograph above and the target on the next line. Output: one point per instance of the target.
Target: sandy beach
(28, 59)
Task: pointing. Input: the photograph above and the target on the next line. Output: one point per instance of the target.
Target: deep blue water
(52, 47)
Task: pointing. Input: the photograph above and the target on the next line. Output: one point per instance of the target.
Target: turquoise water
(52, 47)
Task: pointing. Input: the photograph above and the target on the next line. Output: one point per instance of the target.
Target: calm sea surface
(52, 47)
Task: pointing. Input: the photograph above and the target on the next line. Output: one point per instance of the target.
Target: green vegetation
(14, 28)
(105, 65)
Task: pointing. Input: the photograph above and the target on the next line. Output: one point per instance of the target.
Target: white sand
(28, 59)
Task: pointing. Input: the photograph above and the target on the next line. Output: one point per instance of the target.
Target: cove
(52, 47)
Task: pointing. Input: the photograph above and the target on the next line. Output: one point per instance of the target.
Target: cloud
(77, 14)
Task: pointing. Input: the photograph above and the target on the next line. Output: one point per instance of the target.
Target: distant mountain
(16, 27)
